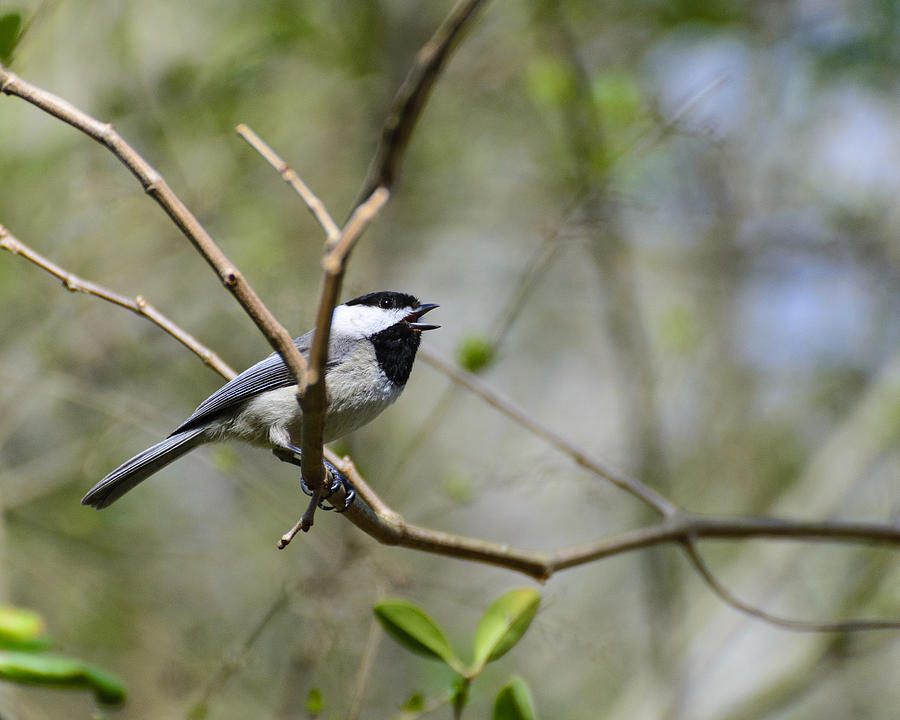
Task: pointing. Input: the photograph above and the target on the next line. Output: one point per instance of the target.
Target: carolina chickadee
(373, 342)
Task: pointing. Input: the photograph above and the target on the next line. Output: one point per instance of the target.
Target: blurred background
(667, 230)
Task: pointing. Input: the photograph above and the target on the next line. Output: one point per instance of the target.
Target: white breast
(357, 392)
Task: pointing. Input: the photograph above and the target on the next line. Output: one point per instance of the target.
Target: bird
(373, 343)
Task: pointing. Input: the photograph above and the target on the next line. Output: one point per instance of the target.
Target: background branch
(137, 305)
(413, 94)
(157, 188)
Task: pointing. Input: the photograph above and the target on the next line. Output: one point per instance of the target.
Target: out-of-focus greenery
(24, 662)
(706, 192)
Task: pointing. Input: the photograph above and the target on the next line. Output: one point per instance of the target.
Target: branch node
(230, 277)
(11, 78)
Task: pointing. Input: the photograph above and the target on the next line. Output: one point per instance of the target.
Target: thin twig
(315, 205)
(629, 484)
(313, 399)
(137, 305)
(405, 112)
(412, 96)
(370, 651)
(729, 598)
(156, 187)
(235, 660)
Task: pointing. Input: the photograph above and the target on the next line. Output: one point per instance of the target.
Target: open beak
(419, 312)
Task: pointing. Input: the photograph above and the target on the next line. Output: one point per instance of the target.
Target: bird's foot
(337, 480)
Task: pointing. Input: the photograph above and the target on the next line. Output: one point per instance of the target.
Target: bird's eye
(385, 303)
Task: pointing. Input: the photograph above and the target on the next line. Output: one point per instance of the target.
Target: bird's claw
(338, 480)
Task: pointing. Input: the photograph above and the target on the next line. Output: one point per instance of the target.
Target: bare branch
(313, 399)
(137, 305)
(412, 96)
(156, 186)
(729, 598)
(315, 205)
(629, 484)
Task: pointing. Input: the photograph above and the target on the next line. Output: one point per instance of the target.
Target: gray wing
(268, 374)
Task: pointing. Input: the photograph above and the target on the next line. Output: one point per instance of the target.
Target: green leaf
(413, 629)
(551, 82)
(10, 27)
(22, 629)
(415, 703)
(61, 672)
(475, 353)
(315, 703)
(503, 625)
(514, 702)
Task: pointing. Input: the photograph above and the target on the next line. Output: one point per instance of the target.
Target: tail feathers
(142, 466)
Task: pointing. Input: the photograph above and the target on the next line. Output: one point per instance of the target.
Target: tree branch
(412, 96)
(315, 205)
(631, 485)
(729, 598)
(401, 120)
(313, 399)
(156, 187)
(137, 305)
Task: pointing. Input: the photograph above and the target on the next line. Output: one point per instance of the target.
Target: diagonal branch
(156, 187)
(729, 598)
(313, 400)
(625, 482)
(137, 305)
(413, 94)
(405, 112)
(315, 205)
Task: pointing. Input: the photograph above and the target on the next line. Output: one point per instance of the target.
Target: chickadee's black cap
(386, 299)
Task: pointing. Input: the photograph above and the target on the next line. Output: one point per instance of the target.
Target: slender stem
(629, 484)
(313, 399)
(413, 94)
(137, 305)
(315, 205)
(156, 187)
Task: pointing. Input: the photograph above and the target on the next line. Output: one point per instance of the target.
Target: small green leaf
(514, 702)
(475, 353)
(458, 488)
(503, 625)
(415, 703)
(10, 27)
(413, 629)
(62, 672)
(551, 82)
(315, 703)
(22, 629)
